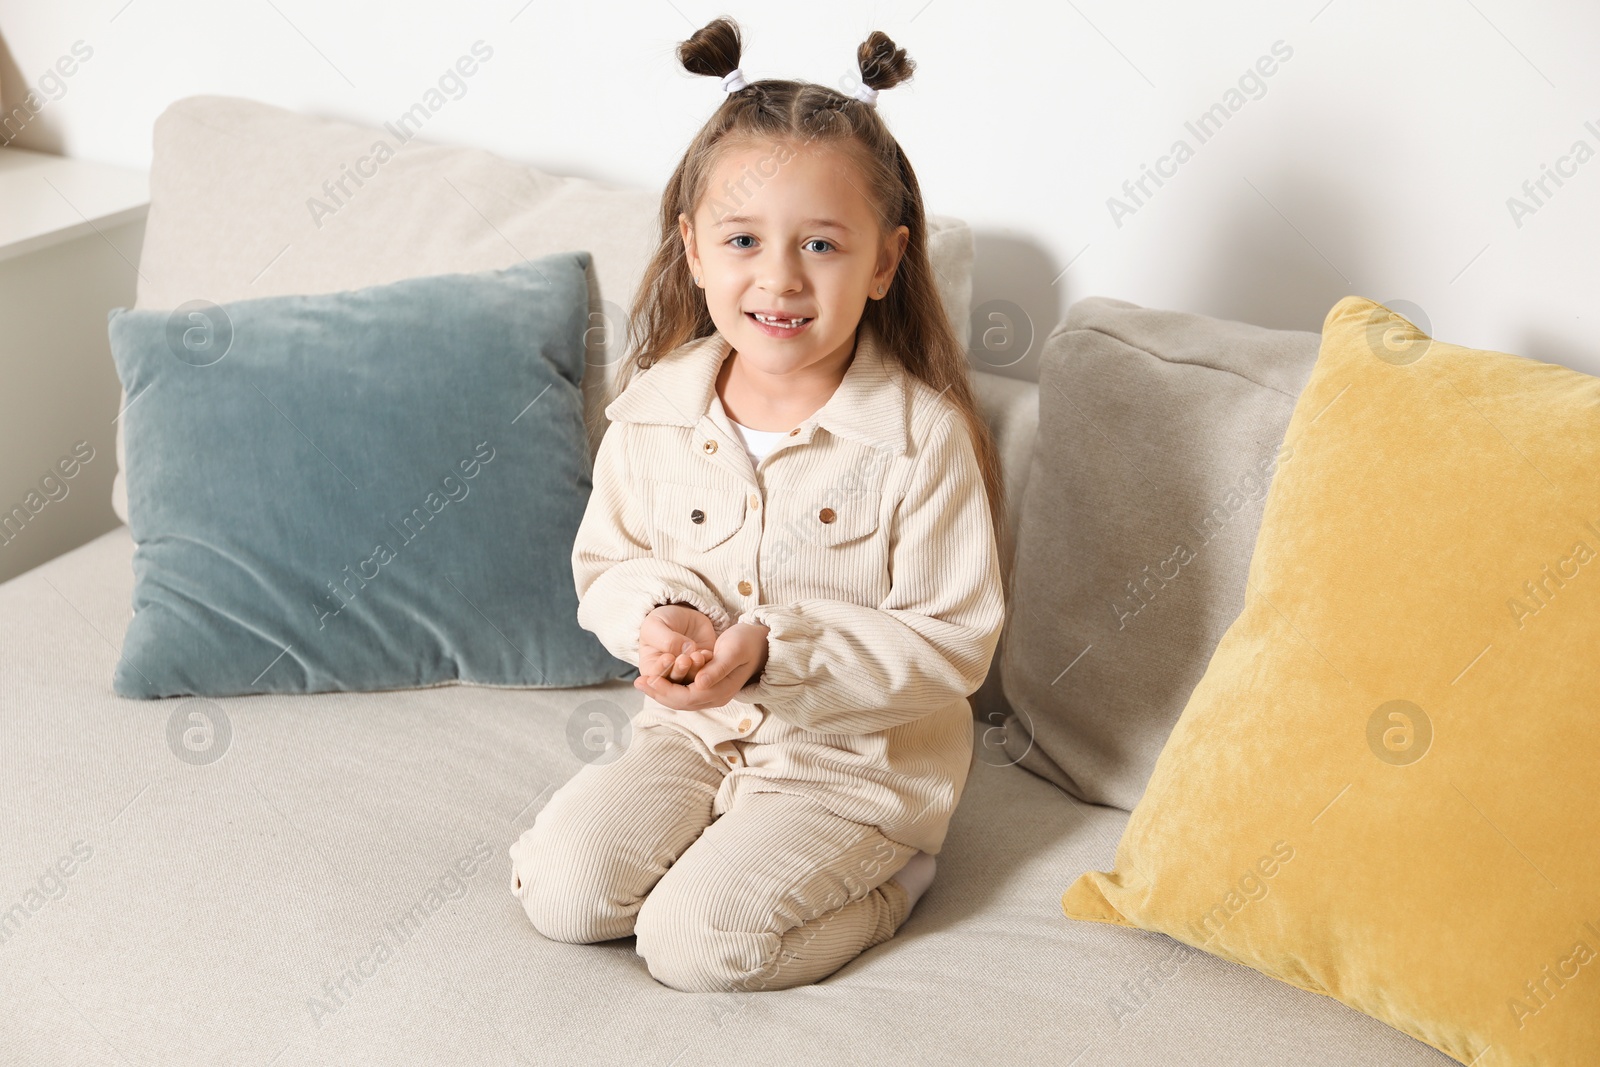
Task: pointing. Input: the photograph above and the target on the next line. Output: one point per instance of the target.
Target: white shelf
(46, 200)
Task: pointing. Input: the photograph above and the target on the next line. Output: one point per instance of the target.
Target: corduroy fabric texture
(863, 542)
(770, 893)
(1383, 789)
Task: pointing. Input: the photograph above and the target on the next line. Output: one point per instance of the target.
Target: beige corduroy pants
(775, 892)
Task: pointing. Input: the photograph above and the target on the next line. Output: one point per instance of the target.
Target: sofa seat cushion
(326, 880)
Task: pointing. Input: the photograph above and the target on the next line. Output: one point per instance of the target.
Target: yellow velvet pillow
(1386, 786)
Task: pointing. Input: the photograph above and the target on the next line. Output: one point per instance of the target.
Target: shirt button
(744, 724)
(827, 515)
(755, 502)
(744, 588)
(710, 447)
(794, 431)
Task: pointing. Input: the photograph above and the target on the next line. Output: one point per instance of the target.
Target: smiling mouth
(778, 322)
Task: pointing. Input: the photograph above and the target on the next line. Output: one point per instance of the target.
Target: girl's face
(787, 229)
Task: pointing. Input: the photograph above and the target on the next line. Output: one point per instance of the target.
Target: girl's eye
(745, 236)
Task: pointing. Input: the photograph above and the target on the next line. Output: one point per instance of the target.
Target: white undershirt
(756, 442)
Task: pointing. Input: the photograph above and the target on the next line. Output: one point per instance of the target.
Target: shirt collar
(870, 405)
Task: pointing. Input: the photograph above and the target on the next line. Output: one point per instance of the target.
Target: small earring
(697, 279)
(880, 290)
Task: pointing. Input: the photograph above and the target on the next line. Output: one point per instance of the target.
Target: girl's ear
(893, 251)
(897, 245)
(686, 232)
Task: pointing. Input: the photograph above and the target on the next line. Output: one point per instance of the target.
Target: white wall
(1378, 159)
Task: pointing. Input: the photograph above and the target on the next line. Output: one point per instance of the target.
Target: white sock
(915, 877)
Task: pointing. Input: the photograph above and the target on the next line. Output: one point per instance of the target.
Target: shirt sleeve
(837, 667)
(619, 579)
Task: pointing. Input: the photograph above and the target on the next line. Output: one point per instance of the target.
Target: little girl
(792, 535)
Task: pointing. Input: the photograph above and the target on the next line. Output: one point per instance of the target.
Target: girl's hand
(739, 654)
(675, 641)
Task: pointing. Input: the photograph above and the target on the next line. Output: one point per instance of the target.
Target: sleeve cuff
(617, 604)
(710, 608)
(790, 640)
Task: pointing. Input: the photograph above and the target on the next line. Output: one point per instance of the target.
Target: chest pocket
(838, 516)
(696, 516)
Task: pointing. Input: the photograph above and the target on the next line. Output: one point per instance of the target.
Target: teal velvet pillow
(363, 490)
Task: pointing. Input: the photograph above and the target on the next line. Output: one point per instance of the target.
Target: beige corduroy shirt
(862, 541)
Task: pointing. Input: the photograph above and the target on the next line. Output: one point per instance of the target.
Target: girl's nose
(781, 274)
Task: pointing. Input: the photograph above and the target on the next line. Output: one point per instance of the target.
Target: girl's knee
(686, 946)
(700, 961)
(568, 892)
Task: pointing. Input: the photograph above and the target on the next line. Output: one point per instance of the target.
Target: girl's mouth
(779, 328)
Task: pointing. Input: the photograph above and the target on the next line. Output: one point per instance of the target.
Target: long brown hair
(668, 310)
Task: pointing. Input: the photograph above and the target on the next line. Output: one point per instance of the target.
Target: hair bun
(883, 66)
(712, 50)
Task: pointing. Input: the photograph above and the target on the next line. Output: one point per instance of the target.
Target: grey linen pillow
(1159, 432)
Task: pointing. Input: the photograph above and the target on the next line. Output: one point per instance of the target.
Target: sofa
(335, 888)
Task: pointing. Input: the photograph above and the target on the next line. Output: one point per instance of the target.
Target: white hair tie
(733, 81)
